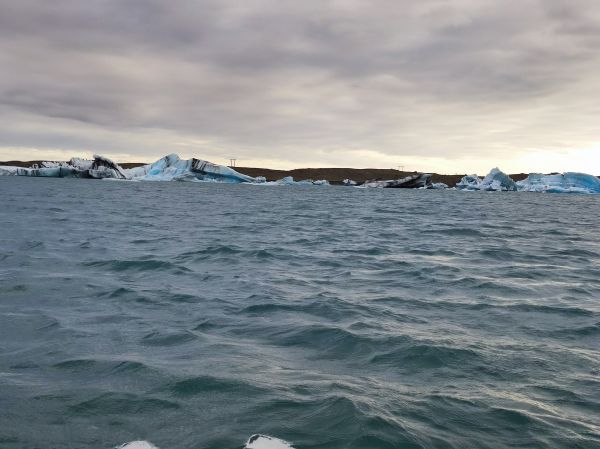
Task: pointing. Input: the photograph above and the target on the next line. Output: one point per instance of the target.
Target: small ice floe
(416, 181)
(439, 186)
(266, 442)
(254, 442)
(138, 445)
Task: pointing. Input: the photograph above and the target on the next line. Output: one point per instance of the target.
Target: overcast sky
(448, 86)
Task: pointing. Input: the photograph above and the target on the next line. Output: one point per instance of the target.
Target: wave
(137, 265)
(117, 403)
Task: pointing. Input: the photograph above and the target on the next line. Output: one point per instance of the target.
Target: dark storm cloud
(293, 80)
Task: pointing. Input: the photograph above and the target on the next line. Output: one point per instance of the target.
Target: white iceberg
(289, 181)
(495, 181)
(8, 170)
(469, 182)
(560, 183)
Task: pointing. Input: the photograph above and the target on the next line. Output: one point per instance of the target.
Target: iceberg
(289, 181)
(99, 168)
(167, 168)
(172, 168)
(7, 170)
(560, 183)
(495, 181)
(469, 182)
(416, 181)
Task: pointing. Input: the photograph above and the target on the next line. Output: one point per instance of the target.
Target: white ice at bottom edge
(266, 442)
(138, 445)
(258, 442)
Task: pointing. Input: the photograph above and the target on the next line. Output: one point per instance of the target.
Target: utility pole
(232, 162)
(401, 167)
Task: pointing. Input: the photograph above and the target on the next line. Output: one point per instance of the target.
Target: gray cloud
(301, 82)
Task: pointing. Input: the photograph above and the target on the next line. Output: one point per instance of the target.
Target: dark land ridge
(333, 175)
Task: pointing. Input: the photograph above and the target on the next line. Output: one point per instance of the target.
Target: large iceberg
(168, 168)
(495, 181)
(98, 168)
(172, 168)
(560, 183)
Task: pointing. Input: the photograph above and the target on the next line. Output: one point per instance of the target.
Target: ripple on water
(332, 318)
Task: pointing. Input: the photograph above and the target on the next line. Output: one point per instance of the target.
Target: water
(194, 315)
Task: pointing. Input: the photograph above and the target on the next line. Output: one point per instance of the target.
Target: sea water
(195, 315)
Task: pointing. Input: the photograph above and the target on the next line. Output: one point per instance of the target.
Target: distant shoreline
(333, 175)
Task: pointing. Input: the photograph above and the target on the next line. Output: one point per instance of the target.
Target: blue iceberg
(172, 168)
(495, 181)
(560, 183)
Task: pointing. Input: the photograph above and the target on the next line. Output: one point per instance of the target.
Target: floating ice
(168, 168)
(254, 442)
(469, 182)
(138, 445)
(289, 181)
(171, 168)
(418, 180)
(266, 442)
(560, 183)
(495, 181)
(7, 170)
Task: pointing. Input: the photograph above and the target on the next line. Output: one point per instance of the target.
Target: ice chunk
(349, 182)
(495, 181)
(560, 183)
(469, 182)
(439, 186)
(321, 182)
(8, 170)
(138, 445)
(266, 442)
(416, 181)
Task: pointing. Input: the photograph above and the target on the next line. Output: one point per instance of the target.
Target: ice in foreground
(254, 442)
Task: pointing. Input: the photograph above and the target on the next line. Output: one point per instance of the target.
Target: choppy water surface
(195, 315)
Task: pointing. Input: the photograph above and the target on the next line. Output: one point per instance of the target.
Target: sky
(448, 86)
